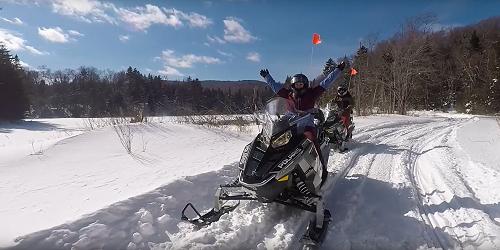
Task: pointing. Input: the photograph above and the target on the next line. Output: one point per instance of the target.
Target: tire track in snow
(366, 179)
(455, 208)
(267, 221)
(374, 157)
(351, 159)
(257, 226)
(416, 151)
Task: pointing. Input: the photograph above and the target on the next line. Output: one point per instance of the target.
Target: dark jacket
(344, 103)
(309, 98)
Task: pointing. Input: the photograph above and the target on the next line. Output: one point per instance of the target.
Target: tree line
(420, 69)
(417, 68)
(89, 92)
(13, 99)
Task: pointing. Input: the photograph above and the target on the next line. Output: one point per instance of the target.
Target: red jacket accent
(304, 102)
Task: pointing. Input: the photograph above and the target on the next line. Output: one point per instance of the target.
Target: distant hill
(226, 85)
(242, 84)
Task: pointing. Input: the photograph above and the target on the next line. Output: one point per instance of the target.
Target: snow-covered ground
(430, 180)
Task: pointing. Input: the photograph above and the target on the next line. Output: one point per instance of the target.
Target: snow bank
(76, 175)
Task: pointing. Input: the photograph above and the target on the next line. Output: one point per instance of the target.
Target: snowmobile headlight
(282, 139)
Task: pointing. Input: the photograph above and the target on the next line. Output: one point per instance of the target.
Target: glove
(341, 65)
(327, 69)
(264, 73)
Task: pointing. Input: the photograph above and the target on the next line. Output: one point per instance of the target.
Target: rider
(345, 104)
(303, 99)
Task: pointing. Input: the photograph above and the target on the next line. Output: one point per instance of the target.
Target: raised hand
(264, 73)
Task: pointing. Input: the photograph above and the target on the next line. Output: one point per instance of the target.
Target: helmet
(341, 90)
(299, 78)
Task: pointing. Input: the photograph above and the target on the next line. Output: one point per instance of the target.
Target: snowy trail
(406, 183)
(382, 192)
(403, 192)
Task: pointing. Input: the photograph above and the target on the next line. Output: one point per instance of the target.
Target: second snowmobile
(280, 165)
(336, 131)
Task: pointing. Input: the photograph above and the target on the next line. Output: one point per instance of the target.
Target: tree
(474, 42)
(13, 99)
(329, 66)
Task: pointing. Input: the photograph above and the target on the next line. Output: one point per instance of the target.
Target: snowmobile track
(389, 133)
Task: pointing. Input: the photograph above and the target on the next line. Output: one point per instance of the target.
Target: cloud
(186, 61)
(141, 18)
(215, 39)
(224, 53)
(208, 3)
(75, 33)
(194, 19)
(253, 56)
(169, 71)
(85, 10)
(15, 42)
(24, 2)
(26, 65)
(234, 32)
(124, 38)
(435, 27)
(16, 21)
(57, 35)
(172, 62)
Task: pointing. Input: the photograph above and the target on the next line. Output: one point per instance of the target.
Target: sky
(211, 40)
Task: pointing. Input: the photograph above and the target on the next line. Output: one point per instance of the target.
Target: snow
(76, 175)
(429, 180)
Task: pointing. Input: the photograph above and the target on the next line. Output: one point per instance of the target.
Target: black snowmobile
(281, 166)
(335, 130)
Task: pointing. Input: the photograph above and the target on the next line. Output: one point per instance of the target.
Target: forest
(418, 68)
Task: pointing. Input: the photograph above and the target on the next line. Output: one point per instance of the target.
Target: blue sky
(223, 39)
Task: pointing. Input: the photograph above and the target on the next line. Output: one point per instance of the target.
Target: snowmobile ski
(205, 219)
(314, 236)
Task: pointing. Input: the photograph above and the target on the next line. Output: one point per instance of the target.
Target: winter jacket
(308, 99)
(344, 103)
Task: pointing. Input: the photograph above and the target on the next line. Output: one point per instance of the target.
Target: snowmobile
(335, 130)
(280, 165)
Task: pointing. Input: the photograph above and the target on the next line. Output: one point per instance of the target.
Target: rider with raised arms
(303, 99)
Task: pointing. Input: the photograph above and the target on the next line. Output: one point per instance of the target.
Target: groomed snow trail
(406, 183)
(398, 188)
(407, 186)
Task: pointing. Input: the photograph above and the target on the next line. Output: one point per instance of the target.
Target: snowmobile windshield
(277, 107)
(278, 115)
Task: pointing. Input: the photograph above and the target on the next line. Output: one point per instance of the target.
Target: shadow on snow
(8, 126)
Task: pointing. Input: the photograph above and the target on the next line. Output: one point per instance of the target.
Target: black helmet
(341, 90)
(300, 78)
(297, 79)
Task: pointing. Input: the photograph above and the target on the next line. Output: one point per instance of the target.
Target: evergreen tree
(329, 66)
(13, 99)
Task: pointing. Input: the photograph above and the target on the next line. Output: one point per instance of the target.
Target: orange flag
(353, 72)
(316, 39)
